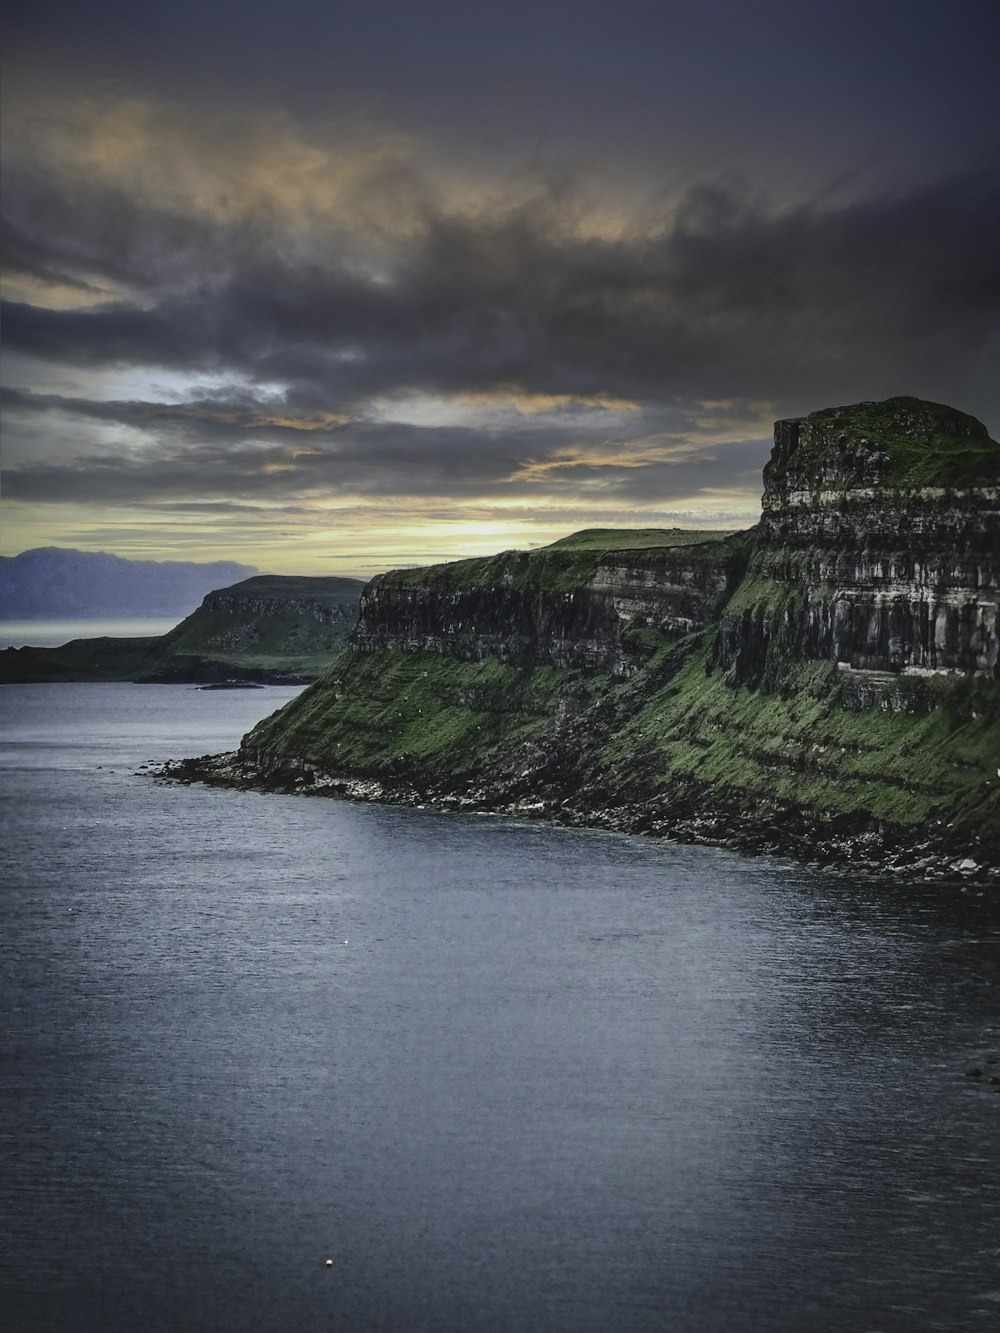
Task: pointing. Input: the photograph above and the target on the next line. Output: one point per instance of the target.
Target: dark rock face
(295, 624)
(516, 626)
(670, 590)
(711, 692)
(863, 557)
(268, 607)
(854, 568)
(676, 591)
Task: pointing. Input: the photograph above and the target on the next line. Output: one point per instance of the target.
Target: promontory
(825, 685)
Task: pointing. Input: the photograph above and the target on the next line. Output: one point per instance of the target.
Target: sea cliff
(279, 629)
(825, 685)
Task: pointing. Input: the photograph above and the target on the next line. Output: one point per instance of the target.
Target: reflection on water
(506, 1076)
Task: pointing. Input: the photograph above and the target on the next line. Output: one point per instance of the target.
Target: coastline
(842, 846)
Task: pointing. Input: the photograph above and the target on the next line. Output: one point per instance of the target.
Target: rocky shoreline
(825, 686)
(848, 846)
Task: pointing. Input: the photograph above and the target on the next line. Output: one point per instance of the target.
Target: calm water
(508, 1077)
(53, 633)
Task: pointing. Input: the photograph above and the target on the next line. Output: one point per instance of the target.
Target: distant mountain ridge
(55, 582)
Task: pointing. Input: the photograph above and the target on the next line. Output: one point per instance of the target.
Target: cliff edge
(825, 685)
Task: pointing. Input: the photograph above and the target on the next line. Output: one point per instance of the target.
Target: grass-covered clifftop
(899, 442)
(563, 566)
(601, 600)
(280, 624)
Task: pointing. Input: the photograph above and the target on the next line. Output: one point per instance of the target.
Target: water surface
(507, 1076)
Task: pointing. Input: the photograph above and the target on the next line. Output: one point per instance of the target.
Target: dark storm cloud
(375, 459)
(237, 447)
(732, 466)
(610, 235)
(793, 81)
(724, 297)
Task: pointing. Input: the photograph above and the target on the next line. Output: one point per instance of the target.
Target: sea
(288, 1064)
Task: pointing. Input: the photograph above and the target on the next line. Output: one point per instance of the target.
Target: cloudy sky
(330, 287)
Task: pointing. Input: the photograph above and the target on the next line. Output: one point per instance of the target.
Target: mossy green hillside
(924, 444)
(796, 745)
(295, 625)
(675, 732)
(378, 713)
(264, 627)
(284, 641)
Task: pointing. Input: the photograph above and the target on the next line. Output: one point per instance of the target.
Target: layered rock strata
(825, 685)
(859, 559)
(556, 608)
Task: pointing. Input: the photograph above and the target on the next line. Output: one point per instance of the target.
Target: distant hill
(271, 628)
(58, 583)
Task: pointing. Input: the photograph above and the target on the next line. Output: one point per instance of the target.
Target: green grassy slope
(562, 567)
(672, 737)
(267, 630)
(796, 745)
(376, 713)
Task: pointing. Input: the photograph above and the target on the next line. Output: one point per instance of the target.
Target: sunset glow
(323, 300)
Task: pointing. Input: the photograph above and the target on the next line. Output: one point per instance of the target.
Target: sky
(332, 288)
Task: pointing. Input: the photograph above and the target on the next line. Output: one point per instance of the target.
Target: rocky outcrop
(327, 601)
(877, 549)
(825, 685)
(264, 608)
(275, 615)
(523, 609)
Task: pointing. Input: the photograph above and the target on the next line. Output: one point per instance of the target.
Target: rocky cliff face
(242, 618)
(265, 608)
(825, 685)
(877, 550)
(561, 608)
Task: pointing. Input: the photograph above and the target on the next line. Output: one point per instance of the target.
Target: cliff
(582, 603)
(877, 550)
(271, 628)
(825, 685)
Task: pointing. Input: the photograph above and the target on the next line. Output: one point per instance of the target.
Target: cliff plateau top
(904, 443)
